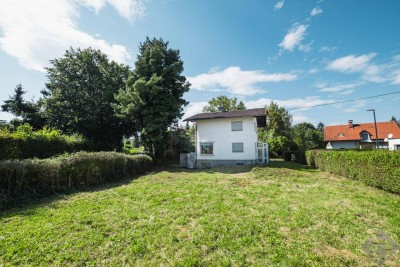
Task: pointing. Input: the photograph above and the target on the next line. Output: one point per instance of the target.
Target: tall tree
(79, 93)
(225, 103)
(278, 131)
(153, 97)
(306, 136)
(28, 111)
(279, 121)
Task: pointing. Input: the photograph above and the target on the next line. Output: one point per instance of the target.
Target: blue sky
(298, 53)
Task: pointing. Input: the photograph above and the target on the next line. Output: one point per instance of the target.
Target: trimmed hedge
(40, 177)
(377, 168)
(26, 143)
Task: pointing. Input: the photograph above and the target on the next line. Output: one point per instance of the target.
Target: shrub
(378, 168)
(31, 177)
(25, 143)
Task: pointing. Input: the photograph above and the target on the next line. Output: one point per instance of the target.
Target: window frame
(235, 143)
(201, 151)
(241, 129)
(368, 136)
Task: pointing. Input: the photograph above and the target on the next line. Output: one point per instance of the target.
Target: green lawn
(280, 215)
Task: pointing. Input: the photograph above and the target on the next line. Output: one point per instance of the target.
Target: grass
(284, 214)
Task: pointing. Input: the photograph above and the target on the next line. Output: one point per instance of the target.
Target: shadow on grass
(237, 169)
(280, 164)
(26, 206)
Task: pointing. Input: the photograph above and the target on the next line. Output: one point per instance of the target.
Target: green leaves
(153, 97)
(225, 103)
(80, 94)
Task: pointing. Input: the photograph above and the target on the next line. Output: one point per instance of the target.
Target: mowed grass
(283, 214)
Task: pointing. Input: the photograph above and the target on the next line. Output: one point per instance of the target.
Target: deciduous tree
(79, 94)
(225, 103)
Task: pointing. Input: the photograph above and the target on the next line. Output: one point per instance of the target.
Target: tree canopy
(79, 94)
(306, 136)
(225, 103)
(153, 97)
(28, 111)
(279, 121)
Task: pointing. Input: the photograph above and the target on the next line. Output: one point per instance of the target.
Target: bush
(378, 168)
(25, 143)
(31, 177)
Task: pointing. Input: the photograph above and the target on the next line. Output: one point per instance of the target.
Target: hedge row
(378, 168)
(40, 177)
(26, 143)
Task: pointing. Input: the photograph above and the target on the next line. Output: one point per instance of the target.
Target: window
(206, 148)
(341, 134)
(237, 126)
(237, 147)
(397, 147)
(365, 136)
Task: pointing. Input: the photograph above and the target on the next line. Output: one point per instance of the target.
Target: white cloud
(236, 81)
(37, 31)
(294, 103)
(327, 48)
(337, 87)
(363, 64)
(300, 117)
(356, 106)
(315, 11)
(279, 5)
(396, 77)
(351, 63)
(193, 109)
(294, 37)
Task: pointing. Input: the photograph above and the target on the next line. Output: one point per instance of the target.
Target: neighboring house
(229, 138)
(363, 135)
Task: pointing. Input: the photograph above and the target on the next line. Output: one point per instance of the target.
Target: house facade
(229, 138)
(363, 135)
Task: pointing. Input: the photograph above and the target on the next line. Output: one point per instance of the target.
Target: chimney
(350, 123)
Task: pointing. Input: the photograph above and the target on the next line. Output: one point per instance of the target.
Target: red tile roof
(331, 133)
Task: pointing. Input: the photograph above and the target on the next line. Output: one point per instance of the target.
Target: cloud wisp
(36, 31)
(294, 37)
(279, 5)
(237, 81)
(370, 71)
(316, 11)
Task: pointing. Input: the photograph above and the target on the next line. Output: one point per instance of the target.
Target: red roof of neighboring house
(352, 131)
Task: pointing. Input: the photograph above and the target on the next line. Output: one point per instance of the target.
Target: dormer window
(341, 134)
(365, 136)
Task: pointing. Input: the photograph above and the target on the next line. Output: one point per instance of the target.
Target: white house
(363, 135)
(229, 138)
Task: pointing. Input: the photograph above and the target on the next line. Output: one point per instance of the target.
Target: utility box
(187, 160)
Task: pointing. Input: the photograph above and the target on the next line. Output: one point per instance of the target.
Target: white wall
(344, 144)
(219, 132)
(393, 143)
